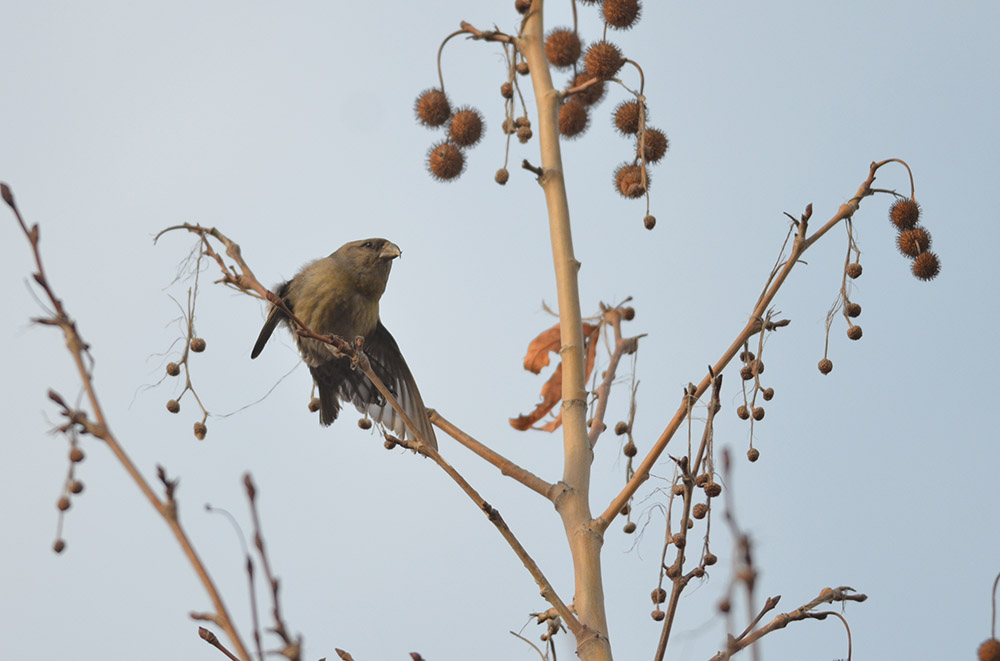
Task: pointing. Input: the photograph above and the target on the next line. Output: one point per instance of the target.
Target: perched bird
(339, 295)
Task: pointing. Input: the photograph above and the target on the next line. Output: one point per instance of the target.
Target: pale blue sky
(289, 126)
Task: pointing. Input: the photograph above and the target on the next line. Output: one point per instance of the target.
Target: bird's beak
(389, 251)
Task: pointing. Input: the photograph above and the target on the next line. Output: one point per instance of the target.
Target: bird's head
(370, 260)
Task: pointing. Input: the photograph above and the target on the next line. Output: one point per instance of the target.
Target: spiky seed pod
(713, 489)
(432, 107)
(630, 450)
(173, 369)
(507, 90)
(853, 310)
(501, 176)
(904, 213)
(522, 68)
(678, 489)
(524, 134)
(314, 404)
(603, 60)
(63, 503)
(914, 241)
(710, 559)
(649, 222)
(197, 345)
(753, 454)
(701, 480)
(562, 48)
(445, 161)
(522, 6)
(59, 546)
(743, 412)
(658, 615)
(621, 14)
(173, 406)
(627, 117)
(76, 455)
(926, 266)
(989, 650)
(628, 314)
(200, 430)
(854, 332)
(655, 145)
(854, 270)
(767, 394)
(592, 94)
(629, 528)
(659, 595)
(364, 423)
(699, 510)
(573, 118)
(466, 127)
(746, 373)
(76, 486)
(825, 366)
(628, 181)
(758, 413)
(621, 428)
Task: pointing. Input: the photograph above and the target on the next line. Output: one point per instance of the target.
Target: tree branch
(802, 242)
(100, 429)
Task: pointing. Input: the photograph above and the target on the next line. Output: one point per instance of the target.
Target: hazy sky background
(289, 126)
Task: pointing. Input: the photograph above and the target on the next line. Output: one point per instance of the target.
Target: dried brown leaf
(537, 358)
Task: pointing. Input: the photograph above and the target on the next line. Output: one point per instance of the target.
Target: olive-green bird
(339, 294)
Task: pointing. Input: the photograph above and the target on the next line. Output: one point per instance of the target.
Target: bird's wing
(273, 319)
(388, 364)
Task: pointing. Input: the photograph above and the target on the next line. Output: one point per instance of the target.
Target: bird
(339, 295)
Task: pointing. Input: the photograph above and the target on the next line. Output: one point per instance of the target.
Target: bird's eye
(368, 244)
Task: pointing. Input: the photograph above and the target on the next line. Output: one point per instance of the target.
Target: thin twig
(506, 466)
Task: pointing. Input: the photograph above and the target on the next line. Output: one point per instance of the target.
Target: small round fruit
(743, 412)
(753, 454)
(364, 423)
(76, 455)
(197, 345)
(904, 213)
(926, 266)
(649, 222)
(659, 595)
(853, 310)
(658, 615)
(445, 161)
(629, 528)
(630, 450)
(767, 394)
(603, 59)
(502, 176)
(432, 107)
(699, 510)
(173, 406)
(854, 270)
(173, 369)
(621, 428)
(200, 430)
(854, 332)
(825, 366)
(63, 503)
